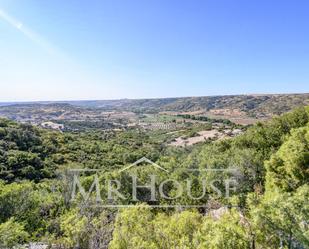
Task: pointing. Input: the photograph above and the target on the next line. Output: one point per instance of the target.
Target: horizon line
(150, 98)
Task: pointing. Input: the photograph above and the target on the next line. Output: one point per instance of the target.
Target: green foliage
(207, 119)
(23, 153)
(73, 227)
(34, 205)
(282, 218)
(229, 231)
(140, 228)
(288, 169)
(12, 234)
(272, 192)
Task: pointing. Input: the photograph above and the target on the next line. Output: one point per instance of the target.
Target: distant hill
(251, 105)
(256, 106)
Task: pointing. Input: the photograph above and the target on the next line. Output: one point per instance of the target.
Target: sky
(111, 49)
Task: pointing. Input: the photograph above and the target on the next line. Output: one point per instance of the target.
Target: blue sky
(107, 49)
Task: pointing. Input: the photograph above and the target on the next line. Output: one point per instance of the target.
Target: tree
(12, 233)
(281, 219)
(288, 169)
(228, 231)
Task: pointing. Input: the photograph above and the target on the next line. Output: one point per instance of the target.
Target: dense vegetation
(270, 208)
(206, 119)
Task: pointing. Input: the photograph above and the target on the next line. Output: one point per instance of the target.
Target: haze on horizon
(68, 50)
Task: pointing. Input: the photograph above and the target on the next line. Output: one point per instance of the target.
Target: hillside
(252, 105)
(271, 197)
(241, 109)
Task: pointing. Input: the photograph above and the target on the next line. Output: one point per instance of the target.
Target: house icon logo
(143, 160)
